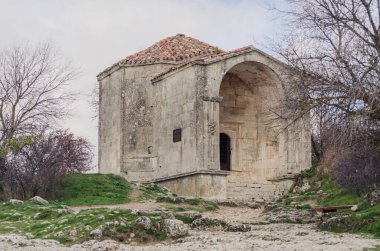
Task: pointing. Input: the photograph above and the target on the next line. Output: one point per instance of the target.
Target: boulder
(174, 228)
(29, 235)
(254, 205)
(73, 233)
(209, 224)
(192, 215)
(59, 234)
(291, 215)
(145, 222)
(303, 188)
(238, 228)
(39, 200)
(164, 213)
(97, 232)
(16, 202)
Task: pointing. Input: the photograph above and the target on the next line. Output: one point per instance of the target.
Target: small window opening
(177, 135)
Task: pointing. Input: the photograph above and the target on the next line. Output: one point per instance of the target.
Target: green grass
(184, 208)
(46, 221)
(334, 195)
(152, 191)
(376, 248)
(94, 189)
(202, 204)
(325, 193)
(366, 221)
(56, 221)
(370, 214)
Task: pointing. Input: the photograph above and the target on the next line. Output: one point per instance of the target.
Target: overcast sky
(93, 34)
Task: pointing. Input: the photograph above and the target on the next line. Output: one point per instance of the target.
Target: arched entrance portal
(225, 152)
(250, 94)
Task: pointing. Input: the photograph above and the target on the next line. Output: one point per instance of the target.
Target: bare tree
(94, 99)
(32, 92)
(333, 49)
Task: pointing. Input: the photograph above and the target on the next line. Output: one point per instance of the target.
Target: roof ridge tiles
(171, 49)
(177, 50)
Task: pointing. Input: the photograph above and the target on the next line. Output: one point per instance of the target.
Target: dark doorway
(225, 152)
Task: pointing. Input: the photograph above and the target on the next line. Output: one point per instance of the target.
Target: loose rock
(16, 202)
(40, 200)
(354, 208)
(238, 228)
(63, 221)
(145, 222)
(174, 228)
(62, 211)
(193, 215)
(73, 233)
(97, 233)
(59, 234)
(303, 188)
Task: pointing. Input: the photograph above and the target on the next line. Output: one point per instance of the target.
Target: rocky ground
(261, 237)
(256, 231)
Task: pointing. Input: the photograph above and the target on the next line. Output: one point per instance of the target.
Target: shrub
(358, 168)
(38, 167)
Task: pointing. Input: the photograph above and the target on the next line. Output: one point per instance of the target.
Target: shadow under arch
(249, 90)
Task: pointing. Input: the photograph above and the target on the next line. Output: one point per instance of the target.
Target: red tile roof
(178, 48)
(207, 58)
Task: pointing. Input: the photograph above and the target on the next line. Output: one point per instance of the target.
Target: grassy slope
(108, 189)
(57, 222)
(365, 220)
(95, 189)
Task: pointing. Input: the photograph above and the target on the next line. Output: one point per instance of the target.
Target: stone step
(250, 185)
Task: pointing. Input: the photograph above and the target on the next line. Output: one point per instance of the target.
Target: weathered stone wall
(125, 122)
(174, 104)
(139, 159)
(110, 123)
(209, 186)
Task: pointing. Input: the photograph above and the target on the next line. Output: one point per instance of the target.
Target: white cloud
(93, 34)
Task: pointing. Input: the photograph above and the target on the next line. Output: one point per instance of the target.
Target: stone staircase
(246, 191)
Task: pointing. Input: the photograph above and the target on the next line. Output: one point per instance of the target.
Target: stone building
(199, 120)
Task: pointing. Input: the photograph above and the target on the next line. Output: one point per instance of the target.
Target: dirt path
(263, 237)
(228, 214)
(143, 206)
(243, 215)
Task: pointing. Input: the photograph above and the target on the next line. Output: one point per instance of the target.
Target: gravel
(261, 237)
